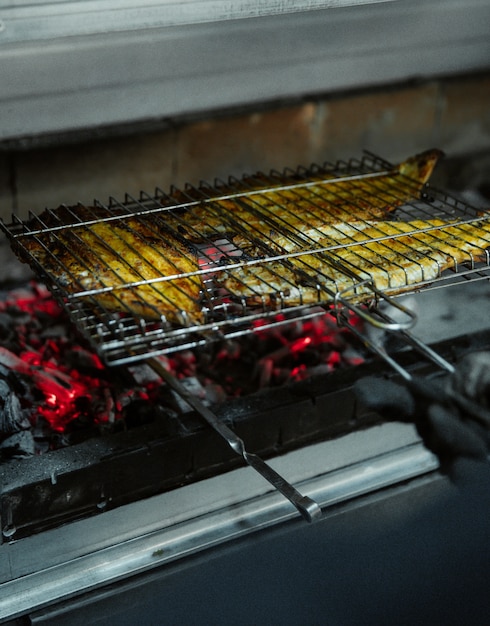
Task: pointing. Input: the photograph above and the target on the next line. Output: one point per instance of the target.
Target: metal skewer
(309, 509)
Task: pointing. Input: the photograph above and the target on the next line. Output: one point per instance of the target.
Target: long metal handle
(308, 508)
(383, 321)
(386, 324)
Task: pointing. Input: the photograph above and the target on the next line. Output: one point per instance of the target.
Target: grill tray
(297, 271)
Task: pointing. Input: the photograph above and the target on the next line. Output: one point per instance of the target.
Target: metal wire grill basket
(170, 271)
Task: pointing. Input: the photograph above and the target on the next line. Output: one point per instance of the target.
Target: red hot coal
(54, 390)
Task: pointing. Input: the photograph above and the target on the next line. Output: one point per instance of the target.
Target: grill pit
(52, 381)
(79, 438)
(144, 441)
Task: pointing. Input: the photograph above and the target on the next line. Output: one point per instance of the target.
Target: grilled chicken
(391, 256)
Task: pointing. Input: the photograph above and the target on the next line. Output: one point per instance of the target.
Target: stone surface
(393, 124)
(465, 115)
(234, 145)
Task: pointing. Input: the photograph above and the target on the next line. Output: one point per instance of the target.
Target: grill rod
(309, 509)
(381, 320)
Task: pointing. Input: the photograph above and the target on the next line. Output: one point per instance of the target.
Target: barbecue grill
(119, 502)
(53, 243)
(330, 274)
(126, 339)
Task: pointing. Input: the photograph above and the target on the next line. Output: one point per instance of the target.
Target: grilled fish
(123, 265)
(147, 265)
(392, 256)
(287, 213)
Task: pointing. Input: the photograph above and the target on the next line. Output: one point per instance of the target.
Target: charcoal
(12, 419)
(215, 393)
(5, 324)
(193, 385)
(143, 374)
(68, 395)
(53, 331)
(18, 445)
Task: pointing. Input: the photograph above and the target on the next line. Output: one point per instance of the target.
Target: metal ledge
(43, 19)
(160, 530)
(89, 81)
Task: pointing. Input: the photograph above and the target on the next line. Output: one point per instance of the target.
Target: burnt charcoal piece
(18, 445)
(12, 418)
(5, 324)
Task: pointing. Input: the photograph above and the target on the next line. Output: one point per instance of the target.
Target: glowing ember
(65, 382)
(301, 344)
(68, 388)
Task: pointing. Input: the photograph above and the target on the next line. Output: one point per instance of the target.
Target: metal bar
(371, 318)
(308, 508)
(182, 532)
(390, 325)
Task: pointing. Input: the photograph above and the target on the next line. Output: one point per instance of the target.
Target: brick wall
(452, 114)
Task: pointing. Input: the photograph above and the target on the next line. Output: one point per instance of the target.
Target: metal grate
(165, 272)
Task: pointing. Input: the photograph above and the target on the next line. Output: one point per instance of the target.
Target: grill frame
(124, 340)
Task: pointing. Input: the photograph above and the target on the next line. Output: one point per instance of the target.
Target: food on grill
(391, 256)
(284, 213)
(127, 264)
(147, 265)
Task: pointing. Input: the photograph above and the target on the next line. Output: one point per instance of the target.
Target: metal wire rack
(159, 273)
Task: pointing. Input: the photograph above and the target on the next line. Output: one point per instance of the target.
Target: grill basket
(284, 241)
